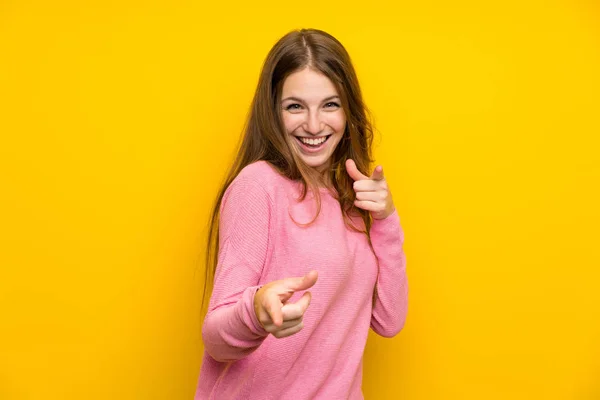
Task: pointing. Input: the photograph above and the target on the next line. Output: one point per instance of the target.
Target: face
(313, 116)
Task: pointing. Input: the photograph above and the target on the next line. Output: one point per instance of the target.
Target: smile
(313, 142)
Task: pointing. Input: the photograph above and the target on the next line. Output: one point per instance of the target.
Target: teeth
(313, 142)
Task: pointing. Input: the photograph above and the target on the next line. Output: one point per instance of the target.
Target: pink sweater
(260, 243)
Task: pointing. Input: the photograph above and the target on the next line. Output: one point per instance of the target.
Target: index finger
(296, 310)
(273, 308)
(377, 173)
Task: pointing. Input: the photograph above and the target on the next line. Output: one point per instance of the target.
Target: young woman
(306, 249)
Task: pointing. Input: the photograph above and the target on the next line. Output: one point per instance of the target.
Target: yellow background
(117, 122)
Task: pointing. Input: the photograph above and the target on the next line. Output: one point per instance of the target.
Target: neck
(325, 177)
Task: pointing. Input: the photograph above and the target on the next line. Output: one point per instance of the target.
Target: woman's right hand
(278, 317)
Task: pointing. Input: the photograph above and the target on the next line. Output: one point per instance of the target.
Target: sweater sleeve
(390, 301)
(231, 329)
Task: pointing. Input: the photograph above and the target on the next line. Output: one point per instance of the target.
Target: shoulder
(246, 206)
(256, 181)
(261, 176)
(259, 171)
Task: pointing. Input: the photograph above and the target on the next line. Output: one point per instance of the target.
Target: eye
(293, 107)
(332, 104)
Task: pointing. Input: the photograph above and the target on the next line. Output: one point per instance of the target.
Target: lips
(313, 141)
(312, 144)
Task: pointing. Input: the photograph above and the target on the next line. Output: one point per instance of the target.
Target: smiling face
(312, 116)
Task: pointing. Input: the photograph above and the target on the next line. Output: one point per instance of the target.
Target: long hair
(264, 137)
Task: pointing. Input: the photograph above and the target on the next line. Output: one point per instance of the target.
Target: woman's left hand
(372, 193)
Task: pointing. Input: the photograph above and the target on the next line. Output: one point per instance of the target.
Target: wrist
(387, 214)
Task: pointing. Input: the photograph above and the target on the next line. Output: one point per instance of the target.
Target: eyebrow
(302, 101)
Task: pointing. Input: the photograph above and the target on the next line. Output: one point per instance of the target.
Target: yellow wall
(117, 120)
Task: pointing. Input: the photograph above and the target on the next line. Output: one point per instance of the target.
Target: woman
(296, 214)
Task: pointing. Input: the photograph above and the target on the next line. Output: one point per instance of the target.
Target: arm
(231, 329)
(390, 300)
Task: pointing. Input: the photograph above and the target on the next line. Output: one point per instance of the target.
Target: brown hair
(265, 139)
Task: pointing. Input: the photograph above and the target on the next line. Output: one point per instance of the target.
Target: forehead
(308, 84)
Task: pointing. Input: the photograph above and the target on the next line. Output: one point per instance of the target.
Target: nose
(313, 123)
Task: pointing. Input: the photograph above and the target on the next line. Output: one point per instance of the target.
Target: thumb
(302, 283)
(353, 171)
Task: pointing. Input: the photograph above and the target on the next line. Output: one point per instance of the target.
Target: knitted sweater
(261, 240)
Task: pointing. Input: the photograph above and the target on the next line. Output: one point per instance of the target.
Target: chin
(317, 164)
